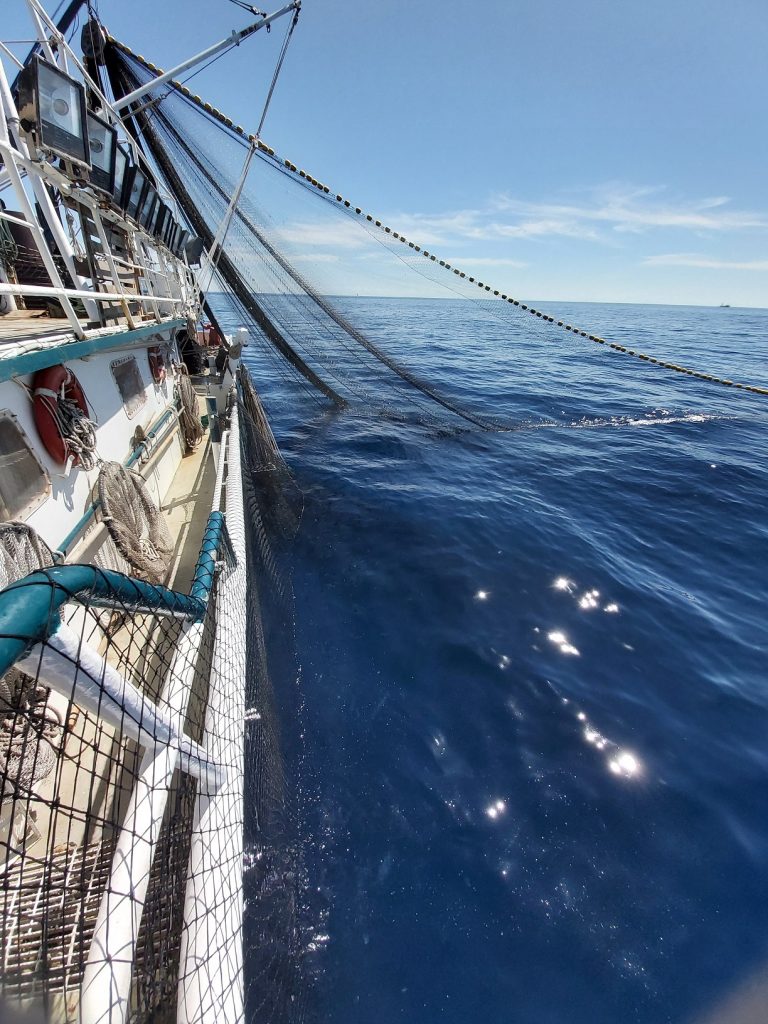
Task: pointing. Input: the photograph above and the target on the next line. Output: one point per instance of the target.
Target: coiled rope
(189, 416)
(304, 177)
(77, 431)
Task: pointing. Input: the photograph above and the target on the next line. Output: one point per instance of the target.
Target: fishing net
(74, 765)
(134, 522)
(302, 331)
(22, 551)
(294, 250)
(276, 985)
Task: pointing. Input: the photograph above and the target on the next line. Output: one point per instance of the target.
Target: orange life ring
(49, 386)
(158, 357)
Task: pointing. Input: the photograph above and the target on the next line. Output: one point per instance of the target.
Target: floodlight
(194, 248)
(158, 228)
(135, 186)
(102, 142)
(122, 163)
(148, 205)
(169, 229)
(181, 243)
(52, 107)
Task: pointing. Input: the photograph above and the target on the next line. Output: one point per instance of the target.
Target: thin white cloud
(692, 259)
(605, 214)
(630, 208)
(600, 214)
(342, 235)
(316, 257)
(486, 261)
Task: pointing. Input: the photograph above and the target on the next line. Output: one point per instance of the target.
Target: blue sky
(604, 151)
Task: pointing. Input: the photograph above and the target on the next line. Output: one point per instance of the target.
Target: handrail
(29, 608)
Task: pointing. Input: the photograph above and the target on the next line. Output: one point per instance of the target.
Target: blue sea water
(532, 743)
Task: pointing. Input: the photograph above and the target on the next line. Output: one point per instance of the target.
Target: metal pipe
(42, 38)
(233, 40)
(220, 470)
(221, 234)
(11, 56)
(77, 672)
(29, 608)
(80, 293)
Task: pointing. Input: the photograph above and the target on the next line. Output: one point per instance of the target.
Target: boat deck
(25, 332)
(26, 325)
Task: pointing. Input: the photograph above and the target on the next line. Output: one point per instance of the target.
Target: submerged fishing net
(276, 984)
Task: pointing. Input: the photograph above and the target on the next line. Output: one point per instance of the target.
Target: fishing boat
(139, 473)
(122, 561)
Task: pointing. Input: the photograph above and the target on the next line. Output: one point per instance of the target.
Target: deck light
(181, 243)
(148, 205)
(161, 222)
(193, 249)
(122, 163)
(52, 108)
(169, 226)
(102, 142)
(135, 186)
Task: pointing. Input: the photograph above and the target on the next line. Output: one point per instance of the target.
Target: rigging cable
(290, 169)
(278, 69)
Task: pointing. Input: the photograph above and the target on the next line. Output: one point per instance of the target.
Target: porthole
(129, 384)
(24, 483)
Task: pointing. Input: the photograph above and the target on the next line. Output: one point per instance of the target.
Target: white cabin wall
(72, 494)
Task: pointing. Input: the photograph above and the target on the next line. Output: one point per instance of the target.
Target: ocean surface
(528, 734)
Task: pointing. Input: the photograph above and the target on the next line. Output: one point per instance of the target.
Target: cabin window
(129, 384)
(24, 484)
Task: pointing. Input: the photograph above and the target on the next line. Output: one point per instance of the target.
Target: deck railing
(121, 812)
(152, 282)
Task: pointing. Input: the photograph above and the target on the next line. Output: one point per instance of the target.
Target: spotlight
(169, 229)
(102, 142)
(181, 243)
(147, 209)
(122, 162)
(133, 195)
(52, 108)
(158, 230)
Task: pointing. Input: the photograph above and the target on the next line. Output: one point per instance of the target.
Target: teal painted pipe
(29, 609)
(151, 434)
(205, 570)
